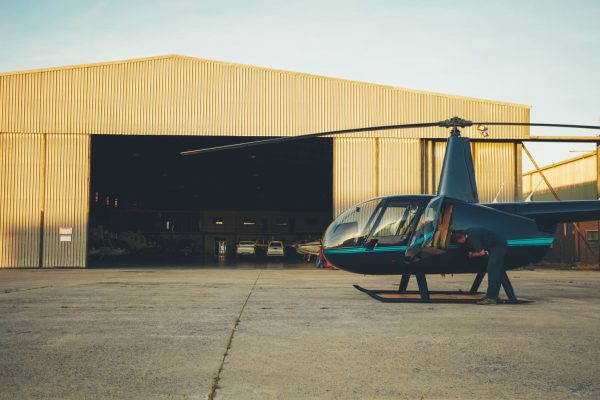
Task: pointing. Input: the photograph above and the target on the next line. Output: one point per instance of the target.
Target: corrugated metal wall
(495, 171)
(58, 167)
(67, 200)
(20, 207)
(354, 172)
(573, 179)
(439, 150)
(366, 168)
(399, 166)
(176, 95)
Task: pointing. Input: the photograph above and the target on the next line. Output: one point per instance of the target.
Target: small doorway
(220, 247)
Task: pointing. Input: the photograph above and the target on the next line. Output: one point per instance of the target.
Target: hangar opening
(149, 204)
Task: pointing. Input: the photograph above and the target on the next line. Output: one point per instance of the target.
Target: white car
(246, 248)
(276, 248)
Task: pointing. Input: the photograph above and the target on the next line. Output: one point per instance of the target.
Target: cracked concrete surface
(163, 333)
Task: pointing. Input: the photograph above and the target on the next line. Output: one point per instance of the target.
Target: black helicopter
(410, 235)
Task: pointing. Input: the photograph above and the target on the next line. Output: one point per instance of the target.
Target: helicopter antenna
(530, 197)
(498, 194)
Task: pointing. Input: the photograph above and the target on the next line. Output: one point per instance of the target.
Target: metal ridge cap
(178, 56)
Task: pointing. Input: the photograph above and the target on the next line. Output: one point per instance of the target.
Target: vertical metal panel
(20, 215)
(354, 172)
(597, 172)
(426, 166)
(573, 179)
(399, 166)
(439, 151)
(495, 171)
(67, 200)
(519, 171)
(175, 95)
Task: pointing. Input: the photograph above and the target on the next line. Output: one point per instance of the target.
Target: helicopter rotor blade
(454, 122)
(537, 124)
(302, 137)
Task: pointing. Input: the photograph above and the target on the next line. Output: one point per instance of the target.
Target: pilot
(483, 242)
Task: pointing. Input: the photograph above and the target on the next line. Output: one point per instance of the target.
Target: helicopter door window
(441, 238)
(425, 226)
(352, 227)
(396, 224)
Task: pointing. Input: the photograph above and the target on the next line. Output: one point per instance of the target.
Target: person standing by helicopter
(483, 242)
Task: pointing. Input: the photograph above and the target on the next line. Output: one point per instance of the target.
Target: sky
(541, 53)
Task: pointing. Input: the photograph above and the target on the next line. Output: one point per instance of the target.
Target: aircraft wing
(312, 248)
(553, 211)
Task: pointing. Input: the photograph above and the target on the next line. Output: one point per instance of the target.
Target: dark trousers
(494, 269)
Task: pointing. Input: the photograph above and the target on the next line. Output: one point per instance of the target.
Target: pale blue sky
(542, 53)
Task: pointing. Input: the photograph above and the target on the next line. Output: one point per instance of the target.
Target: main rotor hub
(455, 123)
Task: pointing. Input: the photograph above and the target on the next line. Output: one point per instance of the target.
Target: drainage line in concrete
(217, 378)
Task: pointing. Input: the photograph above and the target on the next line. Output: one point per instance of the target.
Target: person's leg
(494, 270)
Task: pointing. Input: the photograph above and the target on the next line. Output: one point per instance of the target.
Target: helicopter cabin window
(433, 229)
(426, 220)
(353, 226)
(441, 237)
(396, 223)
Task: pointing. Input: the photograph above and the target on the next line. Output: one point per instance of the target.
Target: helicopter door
(441, 230)
(429, 237)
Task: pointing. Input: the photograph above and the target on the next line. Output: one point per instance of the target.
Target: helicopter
(410, 235)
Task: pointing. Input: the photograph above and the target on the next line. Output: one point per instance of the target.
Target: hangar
(78, 138)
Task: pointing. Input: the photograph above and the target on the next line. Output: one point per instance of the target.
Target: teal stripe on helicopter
(520, 242)
(511, 243)
(350, 250)
(530, 242)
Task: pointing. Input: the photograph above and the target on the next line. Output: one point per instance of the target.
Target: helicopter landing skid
(424, 295)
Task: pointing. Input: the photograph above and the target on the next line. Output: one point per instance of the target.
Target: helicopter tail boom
(553, 212)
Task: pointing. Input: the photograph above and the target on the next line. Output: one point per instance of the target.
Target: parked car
(275, 248)
(245, 248)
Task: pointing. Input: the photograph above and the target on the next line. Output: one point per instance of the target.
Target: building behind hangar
(56, 122)
(572, 179)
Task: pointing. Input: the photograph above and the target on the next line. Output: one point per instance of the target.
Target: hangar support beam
(539, 171)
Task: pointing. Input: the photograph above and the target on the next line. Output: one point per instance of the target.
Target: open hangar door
(149, 205)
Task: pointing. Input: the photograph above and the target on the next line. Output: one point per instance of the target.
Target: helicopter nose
(348, 259)
(364, 261)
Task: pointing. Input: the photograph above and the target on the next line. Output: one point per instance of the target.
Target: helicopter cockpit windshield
(391, 221)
